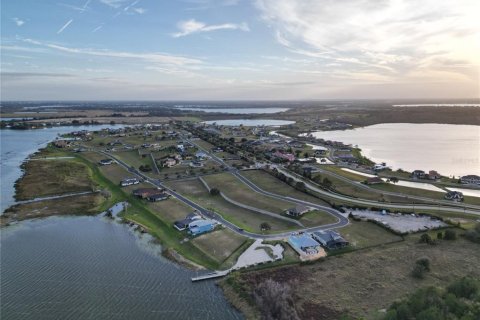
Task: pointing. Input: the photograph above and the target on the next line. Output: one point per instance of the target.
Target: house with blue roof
(199, 227)
(306, 246)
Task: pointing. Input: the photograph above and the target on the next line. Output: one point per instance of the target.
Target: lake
(251, 122)
(449, 149)
(89, 267)
(234, 110)
(95, 268)
(17, 145)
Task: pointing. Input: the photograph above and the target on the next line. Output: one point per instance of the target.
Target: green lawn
(269, 183)
(367, 234)
(133, 158)
(246, 219)
(343, 173)
(238, 191)
(220, 244)
(170, 210)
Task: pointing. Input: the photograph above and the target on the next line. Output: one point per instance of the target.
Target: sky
(239, 49)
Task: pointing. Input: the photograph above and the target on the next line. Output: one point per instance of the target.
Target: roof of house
(201, 223)
(159, 195)
(329, 235)
(299, 208)
(303, 241)
(471, 176)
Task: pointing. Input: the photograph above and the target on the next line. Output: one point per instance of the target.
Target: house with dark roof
(470, 179)
(181, 225)
(146, 192)
(454, 196)
(330, 239)
(420, 174)
(158, 197)
(298, 210)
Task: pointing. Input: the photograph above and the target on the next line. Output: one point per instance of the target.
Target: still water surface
(449, 149)
(95, 268)
(89, 267)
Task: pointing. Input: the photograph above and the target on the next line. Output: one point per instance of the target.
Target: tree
(300, 186)
(265, 226)
(440, 235)
(394, 180)
(450, 234)
(327, 183)
(422, 266)
(425, 238)
(214, 192)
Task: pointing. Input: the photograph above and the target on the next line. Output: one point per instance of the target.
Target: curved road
(342, 221)
(412, 207)
(400, 195)
(381, 204)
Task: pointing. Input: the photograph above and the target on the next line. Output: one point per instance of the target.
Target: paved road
(212, 215)
(439, 207)
(413, 207)
(401, 195)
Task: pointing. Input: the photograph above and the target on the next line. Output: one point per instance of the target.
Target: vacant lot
(269, 183)
(367, 234)
(238, 191)
(76, 205)
(220, 244)
(53, 177)
(242, 218)
(133, 158)
(360, 283)
(170, 210)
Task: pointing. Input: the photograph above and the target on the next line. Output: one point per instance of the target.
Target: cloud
(139, 10)
(114, 3)
(98, 28)
(65, 26)
(18, 22)
(77, 8)
(192, 26)
(29, 75)
(393, 38)
(152, 57)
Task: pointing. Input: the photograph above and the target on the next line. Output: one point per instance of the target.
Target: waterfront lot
(243, 218)
(220, 244)
(53, 177)
(238, 191)
(75, 205)
(367, 234)
(366, 280)
(170, 210)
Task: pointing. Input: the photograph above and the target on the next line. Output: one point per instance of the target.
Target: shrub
(422, 265)
(425, 238)
(214, 192)
(450, 234)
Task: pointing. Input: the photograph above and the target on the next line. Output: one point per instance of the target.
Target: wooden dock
(211, 275)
